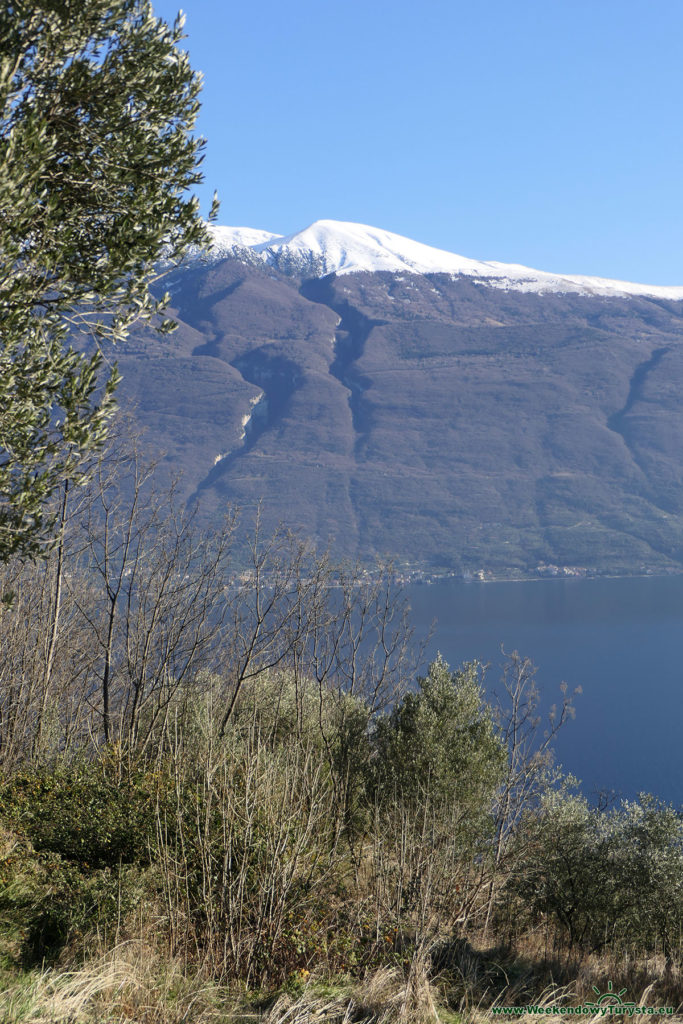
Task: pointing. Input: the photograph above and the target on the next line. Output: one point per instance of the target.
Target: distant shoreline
(491, 577)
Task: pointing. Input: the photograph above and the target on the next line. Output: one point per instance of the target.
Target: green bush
(606, 878)
(440, 744)
(45, 901)
(77, 904)
(83, 812)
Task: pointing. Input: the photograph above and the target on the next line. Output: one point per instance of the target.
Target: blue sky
(544, 132)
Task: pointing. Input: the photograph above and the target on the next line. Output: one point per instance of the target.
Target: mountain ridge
(339, 247)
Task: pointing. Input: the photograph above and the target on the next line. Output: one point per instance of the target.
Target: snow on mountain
(227, 240)
(338, 247)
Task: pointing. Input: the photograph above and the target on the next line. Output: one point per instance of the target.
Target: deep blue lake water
(620, 640)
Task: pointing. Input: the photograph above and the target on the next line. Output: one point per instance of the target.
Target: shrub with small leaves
(82, 812)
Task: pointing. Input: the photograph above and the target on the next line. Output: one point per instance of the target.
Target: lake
(620, 640)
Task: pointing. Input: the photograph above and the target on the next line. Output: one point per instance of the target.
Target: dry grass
(635, 973)
(475, 975)
(130, 985)
(135, 984)
(308, 1009)
(393, 996)
(558, 996)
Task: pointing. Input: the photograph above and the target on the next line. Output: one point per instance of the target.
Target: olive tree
(438, 764)
(602, 878)
(440, 741)
(97, 106)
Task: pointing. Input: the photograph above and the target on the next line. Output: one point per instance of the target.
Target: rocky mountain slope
(390, 399)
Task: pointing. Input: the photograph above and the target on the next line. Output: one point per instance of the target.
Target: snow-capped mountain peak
(226, 240)
(340, 247)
